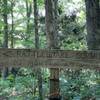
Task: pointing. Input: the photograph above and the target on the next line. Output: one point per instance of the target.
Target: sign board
(49, 58)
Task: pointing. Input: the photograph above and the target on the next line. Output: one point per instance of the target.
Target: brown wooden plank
(49, 53)
(49, 58)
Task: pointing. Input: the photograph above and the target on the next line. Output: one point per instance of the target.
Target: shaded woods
(50, 24)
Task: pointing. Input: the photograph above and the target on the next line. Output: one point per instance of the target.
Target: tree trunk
(39, 74)
(28, 14)
(36, 24)
(93, 27)
(93, 24)
(5, 43)
(14, 71)
(52, 43)
(12, 26)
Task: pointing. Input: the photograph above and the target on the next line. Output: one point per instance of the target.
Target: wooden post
(52, 43)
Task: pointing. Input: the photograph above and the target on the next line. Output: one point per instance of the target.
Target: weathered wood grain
(49, 58)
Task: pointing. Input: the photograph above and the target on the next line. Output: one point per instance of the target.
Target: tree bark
(52, 43)
(12, 26)
(5, 42)
(36, 24)
(28, 14)
(13, 70)
(93, 24)
(39, 74)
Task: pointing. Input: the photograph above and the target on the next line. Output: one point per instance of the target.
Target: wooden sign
(49, 58)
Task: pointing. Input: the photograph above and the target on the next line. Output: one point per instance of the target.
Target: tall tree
(36, 24)
(12, 26)
(93, 24)
(5, 16)
(28, 14)
(13, 70)
(39, 74)
(5, 42)
(52, 43)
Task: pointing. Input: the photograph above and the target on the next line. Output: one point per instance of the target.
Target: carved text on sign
(49, 58)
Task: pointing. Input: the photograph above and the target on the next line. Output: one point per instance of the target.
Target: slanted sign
(49, 58)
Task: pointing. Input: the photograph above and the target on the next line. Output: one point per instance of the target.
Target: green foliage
(74, 85)
(24, 86)
(40, 2)
(72, 25)
(79, 84)
(10, 78)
